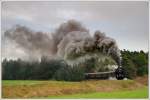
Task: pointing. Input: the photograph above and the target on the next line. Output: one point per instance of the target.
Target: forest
(135, 63)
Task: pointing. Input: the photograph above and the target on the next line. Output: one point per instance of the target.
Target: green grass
(34, 82)
(139, 93)
(20, 82)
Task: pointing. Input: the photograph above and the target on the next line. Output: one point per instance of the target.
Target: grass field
(85, 89)
(138, 93)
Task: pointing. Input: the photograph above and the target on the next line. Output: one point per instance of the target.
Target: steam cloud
(71, 41)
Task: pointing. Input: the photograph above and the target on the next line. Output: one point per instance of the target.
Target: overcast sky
(127, 22)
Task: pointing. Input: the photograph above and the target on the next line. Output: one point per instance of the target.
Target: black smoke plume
(70, 41)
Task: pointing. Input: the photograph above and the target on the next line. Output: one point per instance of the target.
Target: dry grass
(56, 88)
(142, 80)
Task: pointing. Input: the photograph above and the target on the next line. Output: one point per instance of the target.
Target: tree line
(134, 63)
(43, 70)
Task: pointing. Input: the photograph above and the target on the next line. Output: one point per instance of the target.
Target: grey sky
(127, 22)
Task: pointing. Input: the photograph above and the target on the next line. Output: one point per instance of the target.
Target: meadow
(137, 88)
(138, 93)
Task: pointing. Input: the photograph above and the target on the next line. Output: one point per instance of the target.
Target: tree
(130, 70)
(135, 64)
(70, 73)
(138, 59)
(141, 64)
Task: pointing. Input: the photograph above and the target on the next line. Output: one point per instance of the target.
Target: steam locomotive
(119, 74)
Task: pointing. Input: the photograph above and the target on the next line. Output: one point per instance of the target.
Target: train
(118, 73)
